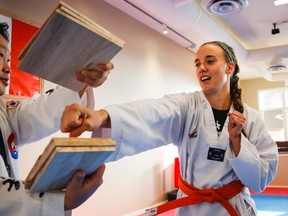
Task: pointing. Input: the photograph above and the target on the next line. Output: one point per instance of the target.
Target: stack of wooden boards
(62, 157)
(66, 43)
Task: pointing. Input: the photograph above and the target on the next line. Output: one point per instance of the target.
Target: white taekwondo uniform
(187, 121)
(22, 123)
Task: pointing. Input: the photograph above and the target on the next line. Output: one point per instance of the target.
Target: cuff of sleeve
(53, 204)
(115, 132)
(116, 124)
(230, 152)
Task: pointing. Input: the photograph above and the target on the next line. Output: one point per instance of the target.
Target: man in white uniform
(224, 148)
(30, 120)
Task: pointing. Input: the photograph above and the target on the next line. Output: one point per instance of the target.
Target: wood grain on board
(66, 43)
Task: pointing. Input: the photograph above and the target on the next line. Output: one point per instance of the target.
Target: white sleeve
(258, 153)
(40, 116)
(149, 123)
(15, 200)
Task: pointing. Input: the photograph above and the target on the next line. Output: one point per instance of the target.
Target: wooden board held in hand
(68, 42)
(62, 157)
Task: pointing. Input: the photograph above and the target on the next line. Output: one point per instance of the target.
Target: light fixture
(165, 29)
(224, 7)
(275, 30)
(280, 2)
(277, 68)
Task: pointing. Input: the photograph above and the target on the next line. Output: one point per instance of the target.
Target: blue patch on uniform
(216, 154)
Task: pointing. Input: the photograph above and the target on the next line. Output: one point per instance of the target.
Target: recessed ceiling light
(277, 68)
(224, 7)
(280, 2)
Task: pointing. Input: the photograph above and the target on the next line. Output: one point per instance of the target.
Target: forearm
(38, 117)
(256, 168)
(130, 130)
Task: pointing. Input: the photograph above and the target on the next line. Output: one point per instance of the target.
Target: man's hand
(81, 187)
(96, 77)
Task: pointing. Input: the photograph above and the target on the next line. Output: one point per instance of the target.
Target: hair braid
(235, 89)
(236, 95)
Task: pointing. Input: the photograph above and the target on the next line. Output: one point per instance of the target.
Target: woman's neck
(219, 101)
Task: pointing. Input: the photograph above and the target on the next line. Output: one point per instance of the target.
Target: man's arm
(38, 117)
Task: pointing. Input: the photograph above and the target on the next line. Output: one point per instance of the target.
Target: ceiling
(190, 24)
(248, 31)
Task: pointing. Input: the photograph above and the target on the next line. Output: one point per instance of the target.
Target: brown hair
(4, 31)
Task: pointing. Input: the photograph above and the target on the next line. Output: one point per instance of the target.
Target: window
(273, 106)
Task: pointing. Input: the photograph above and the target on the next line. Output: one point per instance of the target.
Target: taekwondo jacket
(22, 123)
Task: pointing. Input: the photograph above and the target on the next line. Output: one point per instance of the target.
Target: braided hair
(4, 31)
(235, 90)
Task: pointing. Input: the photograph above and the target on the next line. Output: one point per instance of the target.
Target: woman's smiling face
(213, 69)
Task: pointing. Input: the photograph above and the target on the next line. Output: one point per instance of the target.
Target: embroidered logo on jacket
(12, 105)
(194, 134)
(13, 148)
(216, 154)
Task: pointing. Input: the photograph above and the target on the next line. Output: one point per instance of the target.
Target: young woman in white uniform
(28, 121)
(224, 148)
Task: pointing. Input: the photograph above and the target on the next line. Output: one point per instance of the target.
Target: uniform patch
(216, 154)
(13, 148)
(12, 104)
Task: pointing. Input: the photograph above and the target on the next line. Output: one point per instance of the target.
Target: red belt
(196, 195)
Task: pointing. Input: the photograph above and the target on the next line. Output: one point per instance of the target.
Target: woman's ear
(230, 67)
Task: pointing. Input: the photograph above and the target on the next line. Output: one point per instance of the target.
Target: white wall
(150, 65)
